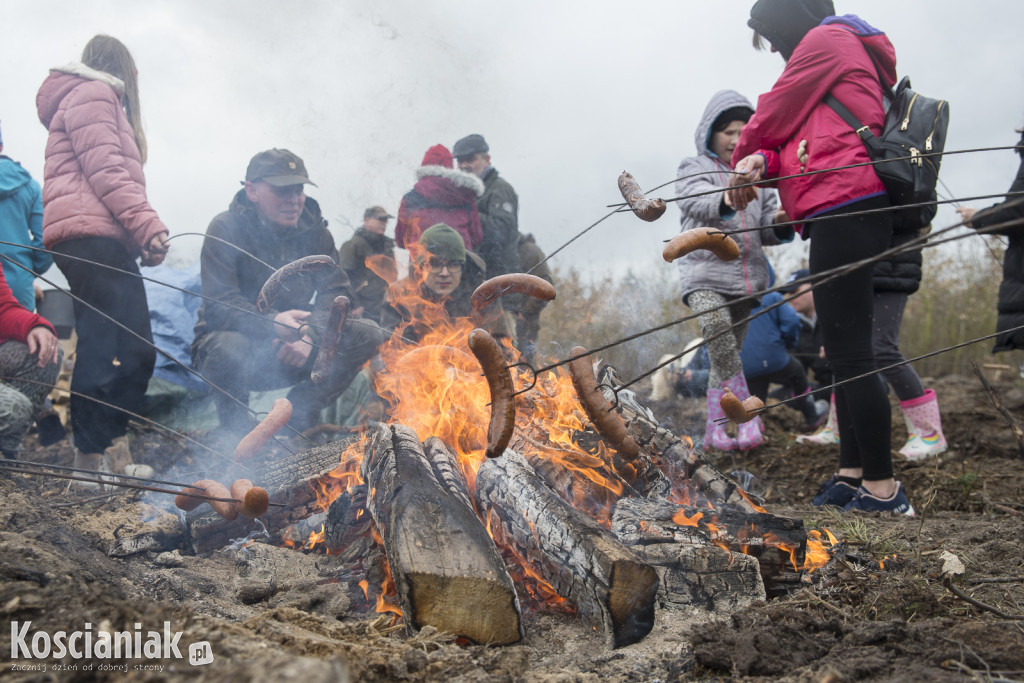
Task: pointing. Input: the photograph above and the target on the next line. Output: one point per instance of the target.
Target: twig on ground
(811, 597)
(77, 503)
(997, 401)
(996, 579)
(978, 603)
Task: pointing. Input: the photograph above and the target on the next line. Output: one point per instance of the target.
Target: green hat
(444, 242)
(278, 167)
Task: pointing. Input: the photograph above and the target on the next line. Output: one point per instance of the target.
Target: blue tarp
(173, 316)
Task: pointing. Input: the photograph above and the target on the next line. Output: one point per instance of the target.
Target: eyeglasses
(383, 219)
(437, 265)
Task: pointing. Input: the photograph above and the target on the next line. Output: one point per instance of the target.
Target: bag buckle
(915, 157)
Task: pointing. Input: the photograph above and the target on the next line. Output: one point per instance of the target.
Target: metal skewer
(112, 480)
(29, 463)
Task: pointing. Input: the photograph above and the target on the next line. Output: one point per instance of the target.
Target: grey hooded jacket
(701, 269)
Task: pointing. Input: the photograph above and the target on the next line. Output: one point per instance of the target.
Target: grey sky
(568, 94)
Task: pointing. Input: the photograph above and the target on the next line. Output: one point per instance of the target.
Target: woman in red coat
(442, 194)
(95, 208)
(792, 132)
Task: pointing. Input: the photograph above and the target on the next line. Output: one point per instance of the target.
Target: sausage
(512, 283)
(712, 239)
(607, 422)
(740, 411)
(329, 340)
(252, 442)
(291, 277)
(255, 499)
(499, 382)
(647, 209)
(214, 489)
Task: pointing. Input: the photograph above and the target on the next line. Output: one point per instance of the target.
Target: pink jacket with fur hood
(93, 180)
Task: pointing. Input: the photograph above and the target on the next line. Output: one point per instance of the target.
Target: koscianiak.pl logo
(44, 651)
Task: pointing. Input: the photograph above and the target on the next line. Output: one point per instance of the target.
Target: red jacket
(93, 181)
(441, 195)
(15, 320)
(830, 58)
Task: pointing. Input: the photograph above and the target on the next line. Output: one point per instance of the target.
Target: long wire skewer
(145, 420)
(887, 367)
(112, 480)
(31, 463)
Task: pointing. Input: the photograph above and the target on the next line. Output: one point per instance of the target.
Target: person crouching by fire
(29, 351)
(438, 292)
(270, 223)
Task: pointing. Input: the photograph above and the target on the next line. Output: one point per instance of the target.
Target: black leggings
(845, 313)
(122, 297)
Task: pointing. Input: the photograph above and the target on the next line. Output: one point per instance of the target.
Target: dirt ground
(884, 611)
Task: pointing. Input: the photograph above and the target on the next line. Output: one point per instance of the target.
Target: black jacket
(901, 272)
(1011, 289)
(232, 277)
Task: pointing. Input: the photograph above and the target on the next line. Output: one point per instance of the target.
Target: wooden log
(584, 563)
(291, 480)
(777, 544)
(691, 477)
(447, 570)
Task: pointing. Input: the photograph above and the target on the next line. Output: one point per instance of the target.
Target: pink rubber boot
(749, 434)
(715, 435)
(924, 427)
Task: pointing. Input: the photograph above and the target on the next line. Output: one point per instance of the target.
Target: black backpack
(914, 125)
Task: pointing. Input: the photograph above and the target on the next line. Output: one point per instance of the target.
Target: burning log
(582, 561)
(677, 455)
(446, 568)
(671, 535)
(290, 480)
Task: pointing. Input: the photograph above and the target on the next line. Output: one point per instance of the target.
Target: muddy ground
(885, 613)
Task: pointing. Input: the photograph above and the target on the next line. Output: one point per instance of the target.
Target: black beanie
(784, 23)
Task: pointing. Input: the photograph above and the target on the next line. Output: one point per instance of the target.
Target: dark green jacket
(368, 288)
(499, 218)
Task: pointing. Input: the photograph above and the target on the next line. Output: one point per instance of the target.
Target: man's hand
(749, 170)
(296, 353)
(42, 342)
(966, 214)
(287, 324)
(156, 250)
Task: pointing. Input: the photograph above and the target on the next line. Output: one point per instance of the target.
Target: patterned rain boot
(715, 435)
(749, 434)
(924, 427)
(828, 434)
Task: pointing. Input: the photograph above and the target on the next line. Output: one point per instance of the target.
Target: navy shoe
(834, 492)
(897, 504)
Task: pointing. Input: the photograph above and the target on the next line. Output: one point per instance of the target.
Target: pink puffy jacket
(93, 181)
(835, 58)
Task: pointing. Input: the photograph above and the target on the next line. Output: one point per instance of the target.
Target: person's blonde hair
(108, 54)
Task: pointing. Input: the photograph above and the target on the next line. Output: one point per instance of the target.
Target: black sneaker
(897, 504)
(834, 492)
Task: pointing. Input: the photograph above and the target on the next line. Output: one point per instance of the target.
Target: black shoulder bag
(914, 125)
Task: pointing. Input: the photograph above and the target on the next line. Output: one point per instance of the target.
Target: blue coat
(768, 337)
(21, 222)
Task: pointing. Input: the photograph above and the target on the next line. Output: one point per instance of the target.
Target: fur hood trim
(460, 178)
(79, 69)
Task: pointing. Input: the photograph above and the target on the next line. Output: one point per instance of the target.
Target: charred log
(447, 571)
(290, 480)
(676, 456)
(582, 561)
(778, 544)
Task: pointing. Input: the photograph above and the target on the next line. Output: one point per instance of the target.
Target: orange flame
(681, 519)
